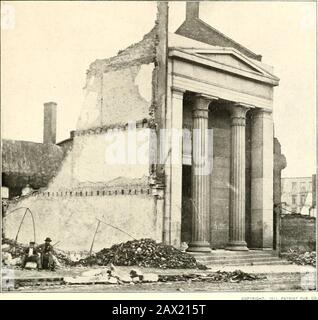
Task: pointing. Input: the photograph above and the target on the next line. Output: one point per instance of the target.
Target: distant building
(298, 195)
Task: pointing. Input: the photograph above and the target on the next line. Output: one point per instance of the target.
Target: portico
(225, 99)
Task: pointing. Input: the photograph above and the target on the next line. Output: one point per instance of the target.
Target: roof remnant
(194, 28)
(25, 162)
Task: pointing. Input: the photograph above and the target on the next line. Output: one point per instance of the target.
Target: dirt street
(273, 282)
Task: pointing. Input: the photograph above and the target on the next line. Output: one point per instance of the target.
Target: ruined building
(195, 79)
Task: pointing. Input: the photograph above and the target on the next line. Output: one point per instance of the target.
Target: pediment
(230, 60)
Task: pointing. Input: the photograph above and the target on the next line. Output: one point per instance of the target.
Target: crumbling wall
(102, 158)
(117, 96)
(118, 91)
(71, 219)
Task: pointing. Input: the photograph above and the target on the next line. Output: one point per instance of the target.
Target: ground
(272, 278)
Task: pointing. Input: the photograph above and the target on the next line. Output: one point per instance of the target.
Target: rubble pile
(13, 252)
(219, 276)
(300, 257)
(15, 249)
(63, 258)
(144, 253)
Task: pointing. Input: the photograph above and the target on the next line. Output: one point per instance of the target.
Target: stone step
(252, 257)
(248, 263)
(217, 257)
(234, 253)
(245, 261)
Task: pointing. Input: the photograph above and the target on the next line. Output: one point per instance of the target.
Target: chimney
(49, 129)
(192, 10)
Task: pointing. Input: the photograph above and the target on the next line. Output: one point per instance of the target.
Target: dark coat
(45, 248)
(27, 250)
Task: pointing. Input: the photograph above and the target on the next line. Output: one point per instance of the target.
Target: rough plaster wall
(120, 89)
(91, 109)
(90, 160)
(127, 94)
(71, 220)
(117, 96)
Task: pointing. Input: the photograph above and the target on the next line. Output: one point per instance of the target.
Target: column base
(237, 246)
(199, 246)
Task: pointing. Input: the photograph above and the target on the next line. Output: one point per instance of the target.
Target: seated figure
(31, 254)
(48, 261)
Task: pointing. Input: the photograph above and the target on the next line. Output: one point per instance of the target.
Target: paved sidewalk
(71, 272)
(266, 269)
(276, 278)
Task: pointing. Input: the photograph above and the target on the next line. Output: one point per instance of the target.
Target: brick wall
(297, 231)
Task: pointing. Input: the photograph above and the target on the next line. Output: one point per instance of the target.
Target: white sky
(45, 56)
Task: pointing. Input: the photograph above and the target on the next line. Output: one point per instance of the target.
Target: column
(237, 180)
(262, 180)
(200, 177)
(172, 225)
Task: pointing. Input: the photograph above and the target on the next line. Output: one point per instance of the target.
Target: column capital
(201, 105)
(238, 114)
(262, 113)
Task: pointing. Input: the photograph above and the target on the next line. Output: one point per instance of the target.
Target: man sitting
(48, 261)
(31, 254)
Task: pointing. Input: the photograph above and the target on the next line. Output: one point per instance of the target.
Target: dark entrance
(186, 217)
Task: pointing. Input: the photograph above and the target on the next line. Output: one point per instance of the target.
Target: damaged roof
(25, 162)
(199, 30)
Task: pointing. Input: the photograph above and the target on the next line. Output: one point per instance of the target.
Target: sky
(46, 48)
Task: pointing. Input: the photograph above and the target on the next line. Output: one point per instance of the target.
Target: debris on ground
(219, 276)
(111, 275)
(143, 253)
(7, 259)
(300, 257)
(118, 276)
(15, 249)
(13, 252)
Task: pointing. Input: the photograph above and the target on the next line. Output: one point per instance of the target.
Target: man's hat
(48, 240)
(32, 242)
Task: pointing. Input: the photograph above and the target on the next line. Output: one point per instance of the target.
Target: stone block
(94, 272)
(150, 277)
(136, 280)
(121, 276)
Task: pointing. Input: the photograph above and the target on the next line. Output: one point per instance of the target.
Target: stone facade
(171, 82)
